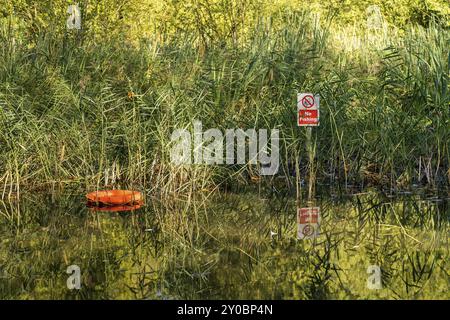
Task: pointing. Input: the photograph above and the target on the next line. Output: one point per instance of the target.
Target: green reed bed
(95, 112)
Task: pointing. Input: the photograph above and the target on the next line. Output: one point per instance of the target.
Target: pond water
(367, 245)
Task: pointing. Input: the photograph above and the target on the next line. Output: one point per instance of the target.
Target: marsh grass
(100, 113)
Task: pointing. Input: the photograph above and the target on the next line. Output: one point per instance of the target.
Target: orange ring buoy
(115, 197)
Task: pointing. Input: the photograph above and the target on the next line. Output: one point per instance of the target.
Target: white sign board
(307, 110)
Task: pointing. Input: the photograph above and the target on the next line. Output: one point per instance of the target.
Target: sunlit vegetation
(94, 108)
(97, 106)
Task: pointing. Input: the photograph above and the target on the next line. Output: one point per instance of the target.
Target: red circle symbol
(308, 230)
(308, 101)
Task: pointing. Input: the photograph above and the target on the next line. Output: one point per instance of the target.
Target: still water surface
(228, 246)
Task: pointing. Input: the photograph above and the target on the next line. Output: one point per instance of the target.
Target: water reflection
(117, 208)
(219, 248)
(308, 222)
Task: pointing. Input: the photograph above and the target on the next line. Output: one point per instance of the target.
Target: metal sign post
(308, 116)
(311, 150)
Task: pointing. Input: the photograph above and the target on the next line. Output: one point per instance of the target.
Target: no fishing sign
(307, 110)
(308, 221)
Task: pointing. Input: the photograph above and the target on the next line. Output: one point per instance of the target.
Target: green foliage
(78, 104)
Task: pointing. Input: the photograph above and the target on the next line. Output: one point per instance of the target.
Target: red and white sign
(307, 110)
(308, 221)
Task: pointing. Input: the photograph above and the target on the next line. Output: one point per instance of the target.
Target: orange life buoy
(115, 197)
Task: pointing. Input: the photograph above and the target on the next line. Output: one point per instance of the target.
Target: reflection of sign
(307, 109)
(308, 230)
(308, 221)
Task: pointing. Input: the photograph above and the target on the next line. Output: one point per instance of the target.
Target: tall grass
(100, 113)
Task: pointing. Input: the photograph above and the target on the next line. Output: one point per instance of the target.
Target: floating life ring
(115, 197)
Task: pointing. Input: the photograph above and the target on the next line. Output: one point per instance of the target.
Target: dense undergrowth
(98, 106)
